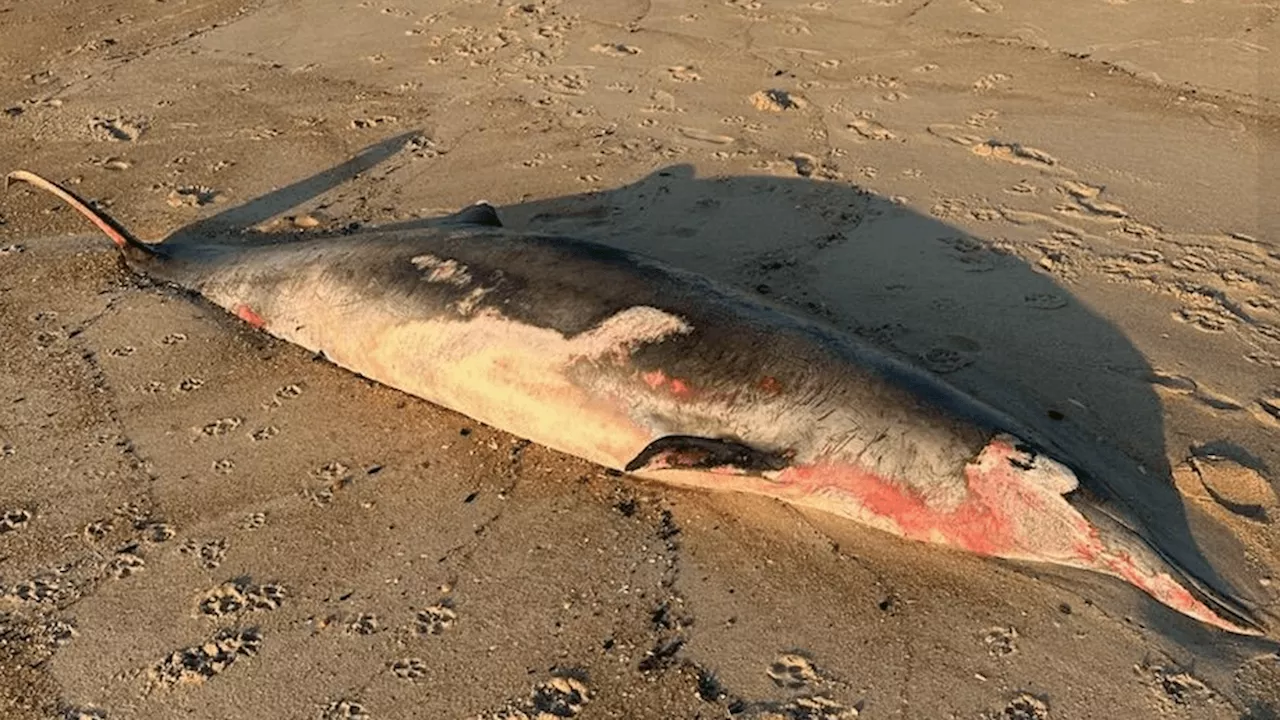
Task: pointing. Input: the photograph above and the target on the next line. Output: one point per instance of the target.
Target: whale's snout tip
(1118, 550)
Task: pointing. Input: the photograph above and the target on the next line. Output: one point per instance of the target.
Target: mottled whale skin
(616, 358)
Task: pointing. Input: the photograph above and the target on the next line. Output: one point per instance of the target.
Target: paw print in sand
(435, 619)
(97, 530)
(208, 554)
(221, 426)
(240, 595)
(344, 710)
(1001, 641)
(39, 589)
(1023, 706)
(409, 668)
(198, 663)
(15, 519)
(126, 562)
(264, 433)
(793, 671)
(364, 624)
(154, 531)
(562, 696)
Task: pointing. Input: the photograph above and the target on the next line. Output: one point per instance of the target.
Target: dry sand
(1066, 205)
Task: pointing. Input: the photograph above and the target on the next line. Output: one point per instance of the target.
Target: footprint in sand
(327, 480)
(982, 118)
(1023, 706)
(1045, 301)
(221, 427)
(364, 624)
(116, 129)
(991, 81)
(1175, 687)
(199, 663)
(154, 531)
(792, 671)
(126, 562)
(1010, 152)
(871, 130)
(562, 696)
(98, 530)
(409, 668)
(683, 73)
(1204, 319)
(1016, 153)
(15, 519)
(264, 433)
(38, 590)
(288, 392)
(943, 360)
(344, 709)
(435, 619)
(706, 136)
(1183, 385)
(238, 596)
(1267, 408)
(1087, 204)
(986, 7)
(208, 554)
(774, 100)
(1001, 641)
(1145, 257)
(1192, 263)
(1237, 488)
(615, 49)
(193, 196)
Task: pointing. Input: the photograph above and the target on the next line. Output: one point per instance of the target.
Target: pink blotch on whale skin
(680, 388)
(656, 379)
(247, 314)
(972, 525)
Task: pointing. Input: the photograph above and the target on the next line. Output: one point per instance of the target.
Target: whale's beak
(1045, 515)
(1118, 550)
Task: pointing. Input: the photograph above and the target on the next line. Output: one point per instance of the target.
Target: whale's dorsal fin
(482, 213)
(690, 452)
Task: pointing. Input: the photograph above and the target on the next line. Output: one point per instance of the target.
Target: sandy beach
(1067, 209)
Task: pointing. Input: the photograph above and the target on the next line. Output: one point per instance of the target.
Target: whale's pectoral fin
(689, 452)
(482, 213)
